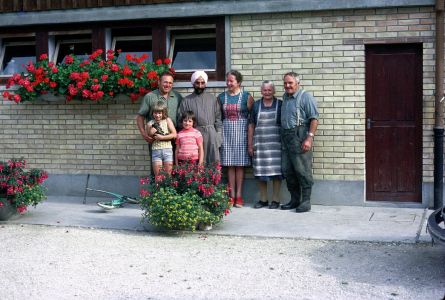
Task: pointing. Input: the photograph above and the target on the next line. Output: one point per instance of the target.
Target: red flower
(114, 68)
(167, 61)
(127, 71)
(86, 93)
(152, 75)
(75, 76)
(69, 59)
(53, 84)
(72, 90)
(17, 98)
(159, 62)
(21, 209)
(80, 84)
(43, 56)
(30, 68)
(104, 77)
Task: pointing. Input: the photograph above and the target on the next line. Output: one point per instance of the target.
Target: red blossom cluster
(94, 79)
(20, 187)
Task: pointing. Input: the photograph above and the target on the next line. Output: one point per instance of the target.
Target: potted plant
(19, 188)
(96, 79)
(190, 197)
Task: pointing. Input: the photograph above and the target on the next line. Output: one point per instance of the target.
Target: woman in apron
(236, 105)
(264, 144)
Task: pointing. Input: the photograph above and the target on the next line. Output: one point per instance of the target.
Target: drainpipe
(439, 105)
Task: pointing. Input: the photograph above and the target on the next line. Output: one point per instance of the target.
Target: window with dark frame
(78, 45)
(193, 51)
(133, 45)
(16, 54)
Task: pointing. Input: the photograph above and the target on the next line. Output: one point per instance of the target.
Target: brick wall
(328, 50)
(74, 138)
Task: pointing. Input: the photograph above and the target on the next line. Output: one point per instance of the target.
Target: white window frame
(67, 41)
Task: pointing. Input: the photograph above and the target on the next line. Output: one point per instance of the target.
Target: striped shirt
(188, 140)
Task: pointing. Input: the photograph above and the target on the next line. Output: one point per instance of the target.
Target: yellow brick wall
(103, 139)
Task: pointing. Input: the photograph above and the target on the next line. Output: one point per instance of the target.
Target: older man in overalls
(299, 121)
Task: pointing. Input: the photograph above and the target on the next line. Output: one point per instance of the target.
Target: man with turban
(207, 111)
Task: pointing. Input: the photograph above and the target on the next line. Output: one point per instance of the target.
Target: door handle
(369, 123)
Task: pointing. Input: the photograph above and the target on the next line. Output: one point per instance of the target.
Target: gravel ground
(41, 262)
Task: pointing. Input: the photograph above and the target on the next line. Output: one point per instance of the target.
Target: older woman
(264, 144)
(236, 105)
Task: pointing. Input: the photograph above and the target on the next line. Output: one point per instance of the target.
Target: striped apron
(267, 143)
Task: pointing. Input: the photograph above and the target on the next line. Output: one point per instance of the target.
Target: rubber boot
(293, 203)
(305, 205)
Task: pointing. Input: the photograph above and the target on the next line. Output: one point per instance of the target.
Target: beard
(199, 91)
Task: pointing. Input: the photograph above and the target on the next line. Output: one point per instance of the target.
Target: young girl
(163, 131)
(189, 146)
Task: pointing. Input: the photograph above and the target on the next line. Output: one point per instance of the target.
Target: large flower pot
(6, 210)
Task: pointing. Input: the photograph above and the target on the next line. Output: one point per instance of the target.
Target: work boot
(293, 203)
(303, 207)
(306, 204)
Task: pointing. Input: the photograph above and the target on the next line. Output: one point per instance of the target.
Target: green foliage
(188, 196)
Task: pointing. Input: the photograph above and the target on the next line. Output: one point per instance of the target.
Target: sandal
(239, 202)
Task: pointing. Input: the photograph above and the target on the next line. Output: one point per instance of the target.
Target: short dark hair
(189, 115)
(166, 73)
(237, 75)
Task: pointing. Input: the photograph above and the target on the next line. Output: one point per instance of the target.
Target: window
(191, 50)
(191, 44)
(15, 55)
(79, 45)
(134, 45)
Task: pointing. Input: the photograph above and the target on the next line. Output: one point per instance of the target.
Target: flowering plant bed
(95, 79)
(20, 188)
(190, 196)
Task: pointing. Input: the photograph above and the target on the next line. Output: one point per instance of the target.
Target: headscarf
(198, 74)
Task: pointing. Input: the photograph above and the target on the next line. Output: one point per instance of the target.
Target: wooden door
(394, 122)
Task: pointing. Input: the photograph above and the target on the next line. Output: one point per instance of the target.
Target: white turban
(198, 74)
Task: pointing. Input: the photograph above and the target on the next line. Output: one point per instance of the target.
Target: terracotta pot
(6, 210)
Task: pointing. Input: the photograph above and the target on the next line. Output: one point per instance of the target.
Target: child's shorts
(162, 155)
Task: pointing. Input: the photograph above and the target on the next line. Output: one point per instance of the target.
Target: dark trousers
(296, 165)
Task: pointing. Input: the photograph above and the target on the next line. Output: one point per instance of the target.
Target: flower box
(95, 79)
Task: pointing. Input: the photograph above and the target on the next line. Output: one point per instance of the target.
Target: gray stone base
(324, 192)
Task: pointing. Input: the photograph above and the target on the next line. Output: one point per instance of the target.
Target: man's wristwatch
(311, 134)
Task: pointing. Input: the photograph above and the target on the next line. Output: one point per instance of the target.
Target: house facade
(369, 64)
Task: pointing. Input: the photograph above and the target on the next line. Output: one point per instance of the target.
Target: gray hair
(268, 82)
(293, 75)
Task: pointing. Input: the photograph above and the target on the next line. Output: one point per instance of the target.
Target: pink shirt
(188, 139)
